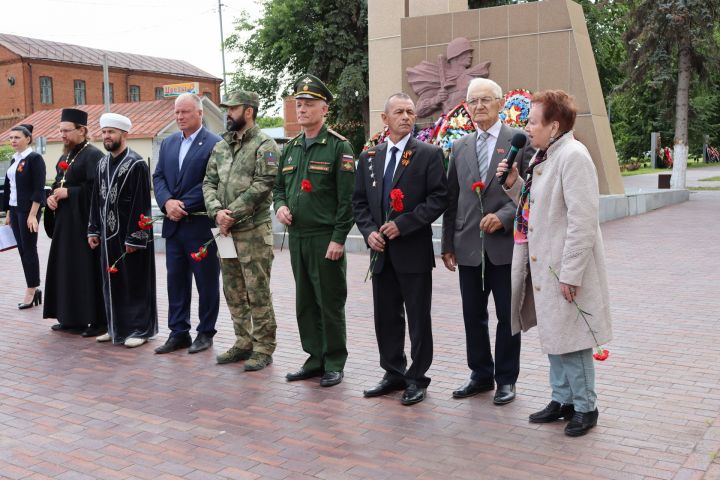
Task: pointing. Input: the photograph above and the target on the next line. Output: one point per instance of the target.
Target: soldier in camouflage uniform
(319, 218)
(238, 193)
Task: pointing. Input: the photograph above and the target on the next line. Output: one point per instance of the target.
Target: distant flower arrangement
(457, 124)
(376, 139)
(516, 109)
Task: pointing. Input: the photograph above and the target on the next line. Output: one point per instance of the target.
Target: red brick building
(42, 75)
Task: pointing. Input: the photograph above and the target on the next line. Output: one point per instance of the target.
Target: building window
(159, 93)
(208, 95)
(112, 92)
(134, 94)
(46, 92)
(79, 92)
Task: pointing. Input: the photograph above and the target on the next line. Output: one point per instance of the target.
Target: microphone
(518, 141)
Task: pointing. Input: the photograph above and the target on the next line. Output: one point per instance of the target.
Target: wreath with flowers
(457, 124)
(517, 107)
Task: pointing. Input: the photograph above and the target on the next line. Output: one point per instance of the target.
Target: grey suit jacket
(461, 222)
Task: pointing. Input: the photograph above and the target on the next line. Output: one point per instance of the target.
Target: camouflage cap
(309, 86)
(241, 97)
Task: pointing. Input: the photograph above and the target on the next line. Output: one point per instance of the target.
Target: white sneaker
(103, 338)
(133, 342)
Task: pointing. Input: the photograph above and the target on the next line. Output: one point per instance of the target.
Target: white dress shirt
(185, 146)
(494, 133)
(401, 148)
(12, 171)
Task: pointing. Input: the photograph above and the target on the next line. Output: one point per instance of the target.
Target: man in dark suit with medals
(475, 158)
(401, 239)
(177, 183)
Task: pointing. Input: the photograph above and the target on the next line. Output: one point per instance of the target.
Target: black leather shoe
(552, 412)
(174, 342)
(412, 395)
(330, 379)
(472, 387)
(504, 394)
(581, 423)
(59, 327)
(94, 331)
(201, 342)
(302, 374)
(384, 387)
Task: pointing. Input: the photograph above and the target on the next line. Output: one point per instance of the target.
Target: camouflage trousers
(246, 284)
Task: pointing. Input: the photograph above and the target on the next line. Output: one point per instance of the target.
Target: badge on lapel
(500, 151)
(405, 161)
(21, 166)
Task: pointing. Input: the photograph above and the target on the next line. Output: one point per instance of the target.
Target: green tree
(269, 122)
(669, 42)
(327, 39)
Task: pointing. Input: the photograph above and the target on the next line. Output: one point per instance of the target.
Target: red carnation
(195, 256)
(478, 187)
(396, 199)
(306, 186)
(63, 165)
(601, 354)
(145, 223)
(200, 254)
(112, 269)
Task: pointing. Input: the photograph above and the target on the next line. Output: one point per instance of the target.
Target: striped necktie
(482, 154)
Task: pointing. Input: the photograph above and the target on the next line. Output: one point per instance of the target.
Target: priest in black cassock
(120, 195)
(73, 285)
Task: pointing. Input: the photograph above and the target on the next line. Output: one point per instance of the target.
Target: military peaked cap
(309, 86)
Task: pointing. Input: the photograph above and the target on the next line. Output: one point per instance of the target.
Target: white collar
(494, 130)
(191, 137)
(400, 145)
(23, 154)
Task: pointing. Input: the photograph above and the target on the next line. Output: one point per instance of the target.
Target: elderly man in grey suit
(475, 158)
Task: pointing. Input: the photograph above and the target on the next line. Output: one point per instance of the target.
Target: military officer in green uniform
(238, 192)
(313, 197)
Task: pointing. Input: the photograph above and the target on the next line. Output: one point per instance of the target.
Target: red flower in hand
(478, 187)
(145, 223)
(200, 254)
(306, 186)
(112, 269)
(396, 200)
(63, 165)
(601, 354)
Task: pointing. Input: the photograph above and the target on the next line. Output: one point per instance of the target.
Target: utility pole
(222, 47)
(106, 84)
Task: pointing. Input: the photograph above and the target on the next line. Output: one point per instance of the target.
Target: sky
(179, 29)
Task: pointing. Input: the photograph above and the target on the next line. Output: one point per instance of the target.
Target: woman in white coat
(559, 282)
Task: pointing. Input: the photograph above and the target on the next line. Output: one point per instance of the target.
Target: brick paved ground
(74, 409)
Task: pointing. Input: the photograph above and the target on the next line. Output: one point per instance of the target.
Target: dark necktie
(388, 178)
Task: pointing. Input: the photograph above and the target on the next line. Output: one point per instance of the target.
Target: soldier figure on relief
(441, 86)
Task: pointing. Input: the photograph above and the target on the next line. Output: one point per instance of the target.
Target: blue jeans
(572, 378)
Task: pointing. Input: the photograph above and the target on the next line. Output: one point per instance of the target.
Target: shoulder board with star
(294, 139)
(336, 134)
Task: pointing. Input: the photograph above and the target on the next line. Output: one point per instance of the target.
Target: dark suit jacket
(421, 177)
(461, 230)
(29, 183)
(186, 184)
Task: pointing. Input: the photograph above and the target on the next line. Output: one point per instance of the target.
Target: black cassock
(121, 193)
(73, 285)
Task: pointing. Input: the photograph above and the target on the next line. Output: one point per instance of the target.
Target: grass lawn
(710, 179)
(643, 171)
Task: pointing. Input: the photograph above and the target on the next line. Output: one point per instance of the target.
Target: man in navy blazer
(178, 182)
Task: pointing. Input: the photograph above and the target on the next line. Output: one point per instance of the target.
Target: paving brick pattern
(71, 408)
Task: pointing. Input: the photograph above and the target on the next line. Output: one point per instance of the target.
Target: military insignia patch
(270, 159)
(348, 163)
(288, 168)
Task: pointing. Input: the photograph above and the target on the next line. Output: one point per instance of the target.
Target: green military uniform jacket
(239, 177)
(329, 165)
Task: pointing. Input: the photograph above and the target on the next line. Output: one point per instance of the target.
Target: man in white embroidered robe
(120, 195)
